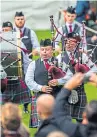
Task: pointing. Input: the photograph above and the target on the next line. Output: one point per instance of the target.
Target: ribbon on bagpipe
(77, 64)
(54, 70)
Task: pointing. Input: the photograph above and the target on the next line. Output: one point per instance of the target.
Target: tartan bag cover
(16, 92)
(34, 119)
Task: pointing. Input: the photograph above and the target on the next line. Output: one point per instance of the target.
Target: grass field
(91, 91)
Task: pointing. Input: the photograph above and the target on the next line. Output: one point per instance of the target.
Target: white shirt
(58, 36)
(31, 83)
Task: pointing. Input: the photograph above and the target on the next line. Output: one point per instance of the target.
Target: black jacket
(61, 121)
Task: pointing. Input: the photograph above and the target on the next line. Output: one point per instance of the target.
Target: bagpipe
(75, 62)
(54, 70)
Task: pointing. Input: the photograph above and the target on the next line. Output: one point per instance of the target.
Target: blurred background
(37, 12)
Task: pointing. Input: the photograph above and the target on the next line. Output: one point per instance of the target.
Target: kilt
(16, 92)
(76, 110)
(34, 119)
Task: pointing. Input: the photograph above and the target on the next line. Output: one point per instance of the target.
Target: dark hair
(91, 111)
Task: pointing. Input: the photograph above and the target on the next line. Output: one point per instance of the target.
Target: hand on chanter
(53, 82)
(46, 89)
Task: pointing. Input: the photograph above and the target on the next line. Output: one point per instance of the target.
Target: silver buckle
(73, 98)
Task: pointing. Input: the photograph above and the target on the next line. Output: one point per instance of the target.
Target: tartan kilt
(76, 110)
(16, 92)
(34, 119)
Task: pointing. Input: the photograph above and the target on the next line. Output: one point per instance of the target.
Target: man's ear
(85, 121)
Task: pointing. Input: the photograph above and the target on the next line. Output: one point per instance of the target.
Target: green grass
(43, 34)
(91, 91)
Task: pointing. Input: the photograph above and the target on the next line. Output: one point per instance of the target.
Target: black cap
(46, 42)
(7, 24)
(19, 14)
(74, 36)
(71, 10)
